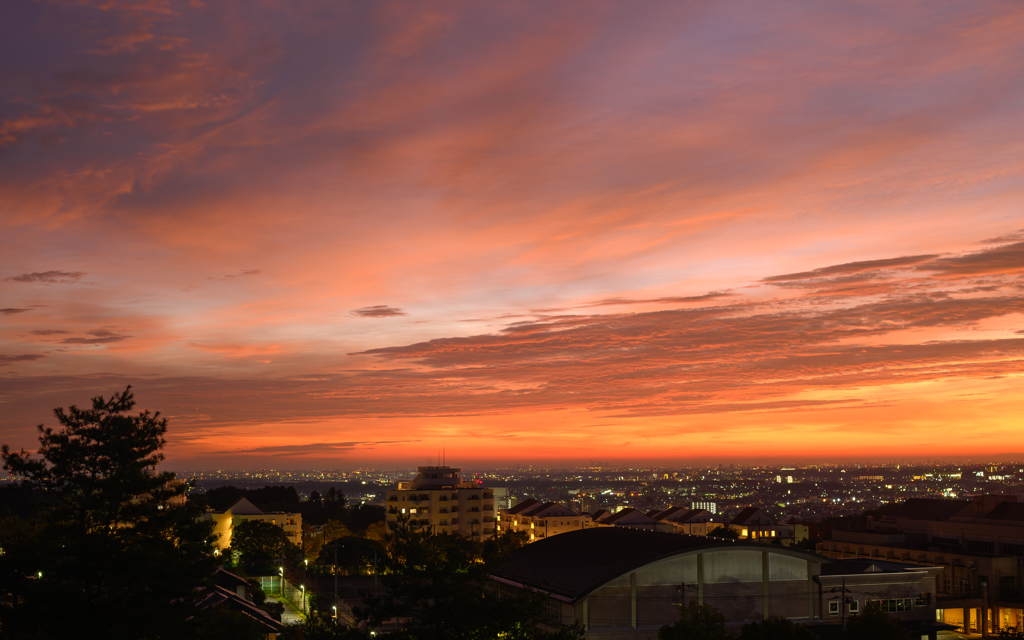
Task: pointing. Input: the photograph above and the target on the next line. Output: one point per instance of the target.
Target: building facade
(622, 583)
(224, 522)
(541, 519)
(438, 500)
(977, 543)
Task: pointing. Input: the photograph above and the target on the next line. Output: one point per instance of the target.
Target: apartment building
(439, 500)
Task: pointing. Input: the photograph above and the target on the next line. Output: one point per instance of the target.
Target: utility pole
(335, 572)
(843, 603)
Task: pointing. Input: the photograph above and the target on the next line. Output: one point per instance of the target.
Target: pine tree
(118, 552)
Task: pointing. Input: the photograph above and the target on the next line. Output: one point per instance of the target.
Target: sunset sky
(335, 234)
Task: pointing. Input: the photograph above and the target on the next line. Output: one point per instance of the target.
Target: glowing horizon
(352, 234)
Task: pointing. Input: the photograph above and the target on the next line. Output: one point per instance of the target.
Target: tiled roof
(743, 516)
(693, 515)
(522, 506)
(672, 514)
(217, 596)
(635, 517)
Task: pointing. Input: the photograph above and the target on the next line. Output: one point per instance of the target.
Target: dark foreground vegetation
(94, 543)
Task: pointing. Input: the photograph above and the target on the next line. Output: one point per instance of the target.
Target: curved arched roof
(573, 565)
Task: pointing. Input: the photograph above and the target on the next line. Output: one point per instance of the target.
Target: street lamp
(335, 614)
(303, 587)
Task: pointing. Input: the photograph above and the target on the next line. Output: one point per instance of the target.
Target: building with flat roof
(438, 500)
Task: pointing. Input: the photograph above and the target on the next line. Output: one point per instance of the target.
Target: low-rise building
(697, 522)
(243, 510)
(623, 583)
(541, 519)
(438, 500)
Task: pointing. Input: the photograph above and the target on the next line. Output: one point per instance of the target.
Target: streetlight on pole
(303, 587)
(335, 607)
(281, 580)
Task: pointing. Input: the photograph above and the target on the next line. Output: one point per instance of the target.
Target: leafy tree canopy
(257, 542)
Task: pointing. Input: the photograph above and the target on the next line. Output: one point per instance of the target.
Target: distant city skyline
(351, 233)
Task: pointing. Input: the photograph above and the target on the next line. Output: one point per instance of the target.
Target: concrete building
(978, 543)
(437, 499)
(243, 510)
(622, 583)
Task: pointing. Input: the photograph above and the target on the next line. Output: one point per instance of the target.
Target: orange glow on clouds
(350, 233)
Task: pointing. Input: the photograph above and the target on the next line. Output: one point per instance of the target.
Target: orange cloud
(698, 227)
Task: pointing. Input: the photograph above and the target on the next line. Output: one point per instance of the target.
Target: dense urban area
(806, 492)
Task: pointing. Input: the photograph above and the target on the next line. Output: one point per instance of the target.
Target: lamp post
(281, 580)
(303, 587)
(335, 614)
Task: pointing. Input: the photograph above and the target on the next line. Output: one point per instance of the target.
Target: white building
(439, 500)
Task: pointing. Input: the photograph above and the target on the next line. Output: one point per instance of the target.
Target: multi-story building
(978, 543)
(437, 499)
(711, 507)
(243, 510)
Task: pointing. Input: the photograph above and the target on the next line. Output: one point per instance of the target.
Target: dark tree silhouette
(111, 545)
(257, 542)
(696, 622)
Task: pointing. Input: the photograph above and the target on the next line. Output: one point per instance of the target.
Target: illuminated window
(833, 608)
